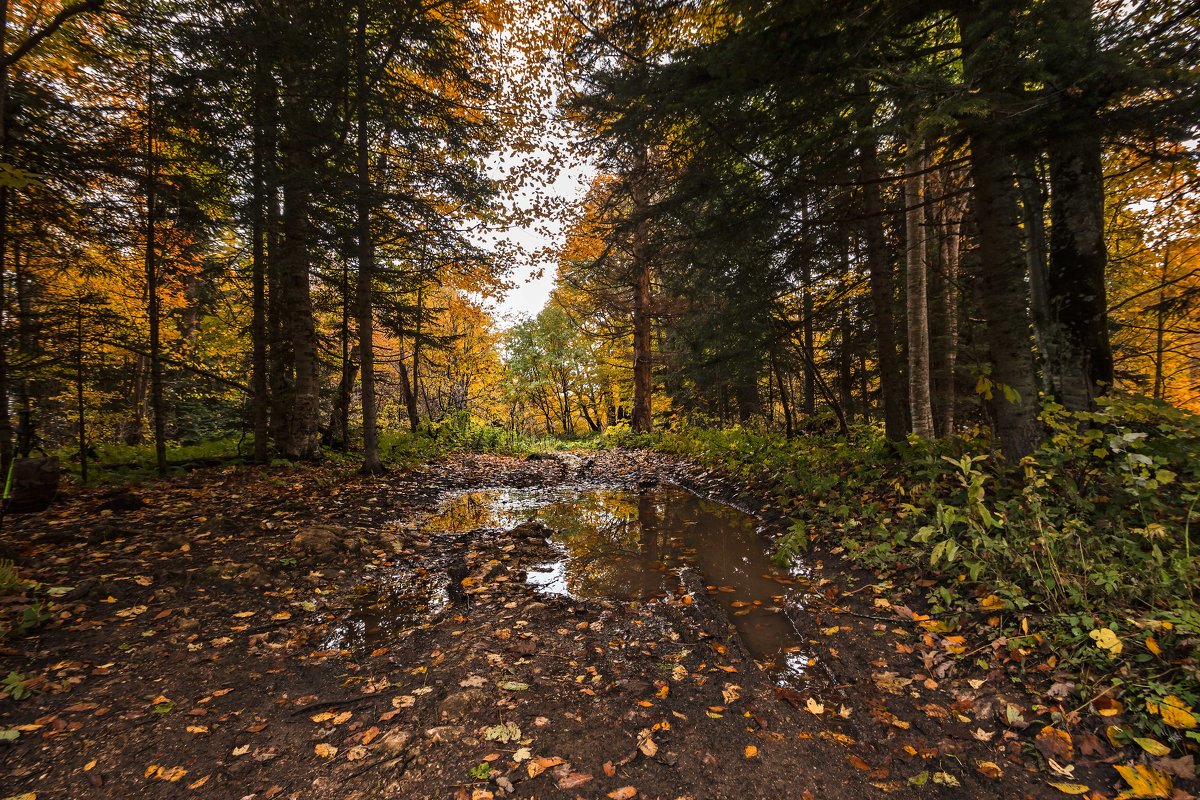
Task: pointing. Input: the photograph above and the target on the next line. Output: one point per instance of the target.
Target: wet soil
(571, 626)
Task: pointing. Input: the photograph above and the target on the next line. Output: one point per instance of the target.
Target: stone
(457, 705)
(320, 540)
(396, 743)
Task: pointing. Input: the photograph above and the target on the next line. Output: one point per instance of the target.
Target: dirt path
(219, 641)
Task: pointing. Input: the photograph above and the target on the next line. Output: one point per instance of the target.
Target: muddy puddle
(626, 545)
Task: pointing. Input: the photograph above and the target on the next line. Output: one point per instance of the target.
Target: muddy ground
(258, 633)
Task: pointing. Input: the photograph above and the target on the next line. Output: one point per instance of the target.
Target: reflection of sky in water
(403, 606)
(630, 545)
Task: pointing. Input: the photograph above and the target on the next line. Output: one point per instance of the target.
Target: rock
(488, 571)
(396, 742)
(457, 705)
(531, 530)
(218, 525)
(320, 540)
(122, 500)
(252, 574)
(445, 733)
(85, 588)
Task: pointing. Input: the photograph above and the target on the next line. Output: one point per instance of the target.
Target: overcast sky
(531, 293)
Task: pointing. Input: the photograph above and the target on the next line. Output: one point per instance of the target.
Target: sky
(531, 291)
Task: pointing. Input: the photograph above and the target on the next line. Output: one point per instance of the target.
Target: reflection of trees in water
(603, 533)
(466, 512)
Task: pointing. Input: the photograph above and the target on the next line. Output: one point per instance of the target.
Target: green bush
(1093, 532)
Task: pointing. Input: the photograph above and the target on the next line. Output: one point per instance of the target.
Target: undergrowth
(1081, 560)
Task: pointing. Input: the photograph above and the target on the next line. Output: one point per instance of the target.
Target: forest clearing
(473, 399)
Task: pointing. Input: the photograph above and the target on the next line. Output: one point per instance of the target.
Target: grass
(1081, 558)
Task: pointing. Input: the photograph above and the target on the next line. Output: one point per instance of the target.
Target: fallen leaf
(751, 751)
(624, 793)
(1152, 746)
(945, 779)
(1107, 641)
(1144, 782)
(1071, 788)
(325, 750)
(1174, 712)
(813, 707)
(1055, 743)
(508, 732)
(170, 774)
(574, 780)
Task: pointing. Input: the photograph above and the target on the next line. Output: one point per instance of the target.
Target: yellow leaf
(1105, 706)
(171, 774)
(197, 729)
(814, 707)
(88, 767)
(1152, 746)
(751, 751)
(325, 750)
(1106, 640)
(989, 769)
(1144, 782)
(1152, 646)
(1176, 713)
(200, 782)
(1070, 788)
(991, 603)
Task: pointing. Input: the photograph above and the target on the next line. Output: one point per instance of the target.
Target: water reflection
(633, 545)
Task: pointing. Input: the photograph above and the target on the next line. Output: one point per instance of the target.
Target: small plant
(15, 684)
(10, 581)
(791, 545)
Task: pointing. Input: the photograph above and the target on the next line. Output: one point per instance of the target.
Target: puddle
(388, 606)
(632, 546)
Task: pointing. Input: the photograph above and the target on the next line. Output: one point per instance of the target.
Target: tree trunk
(6, 432)
(891, 382)
(845, 373)
(810, 353)
(919, 402)
(296, 301)
(414, 417)
(789, 429)
(1160, 329)
(1033, 203)
(1004, 298)
(79, 406)
(152, 309)
(1080, 361)
(944, 320)
(642, 418)
(260, 410)
(366, 262)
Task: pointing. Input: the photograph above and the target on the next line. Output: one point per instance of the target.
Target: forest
(850, 444)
